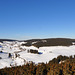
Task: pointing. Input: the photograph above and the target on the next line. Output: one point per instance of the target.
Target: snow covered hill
(13, 53)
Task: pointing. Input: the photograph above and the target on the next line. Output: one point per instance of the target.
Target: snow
(15, 48)
(73, 43)
(44, 40)
(23, 43)
(34, 42)
(5, 61)
(48, 53)
(17, 62)
(29, 47)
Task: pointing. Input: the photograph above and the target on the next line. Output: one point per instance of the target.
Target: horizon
(30, 19)
(35, 39)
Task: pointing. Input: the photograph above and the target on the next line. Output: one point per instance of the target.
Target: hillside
(49, 42)
(1, 40)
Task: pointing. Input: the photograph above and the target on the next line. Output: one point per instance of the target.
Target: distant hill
(45, 42)
(49, 42)
(1, 40)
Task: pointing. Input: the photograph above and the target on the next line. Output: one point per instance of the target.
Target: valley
(16, 53)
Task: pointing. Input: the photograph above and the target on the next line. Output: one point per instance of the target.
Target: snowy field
(48, 53)
(20, 55)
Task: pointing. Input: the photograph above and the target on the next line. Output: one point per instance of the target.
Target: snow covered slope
(48, 53)
(14, 54)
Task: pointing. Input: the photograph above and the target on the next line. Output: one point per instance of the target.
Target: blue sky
(27, 19)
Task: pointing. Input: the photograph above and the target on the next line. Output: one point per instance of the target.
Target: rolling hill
(49, 42)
